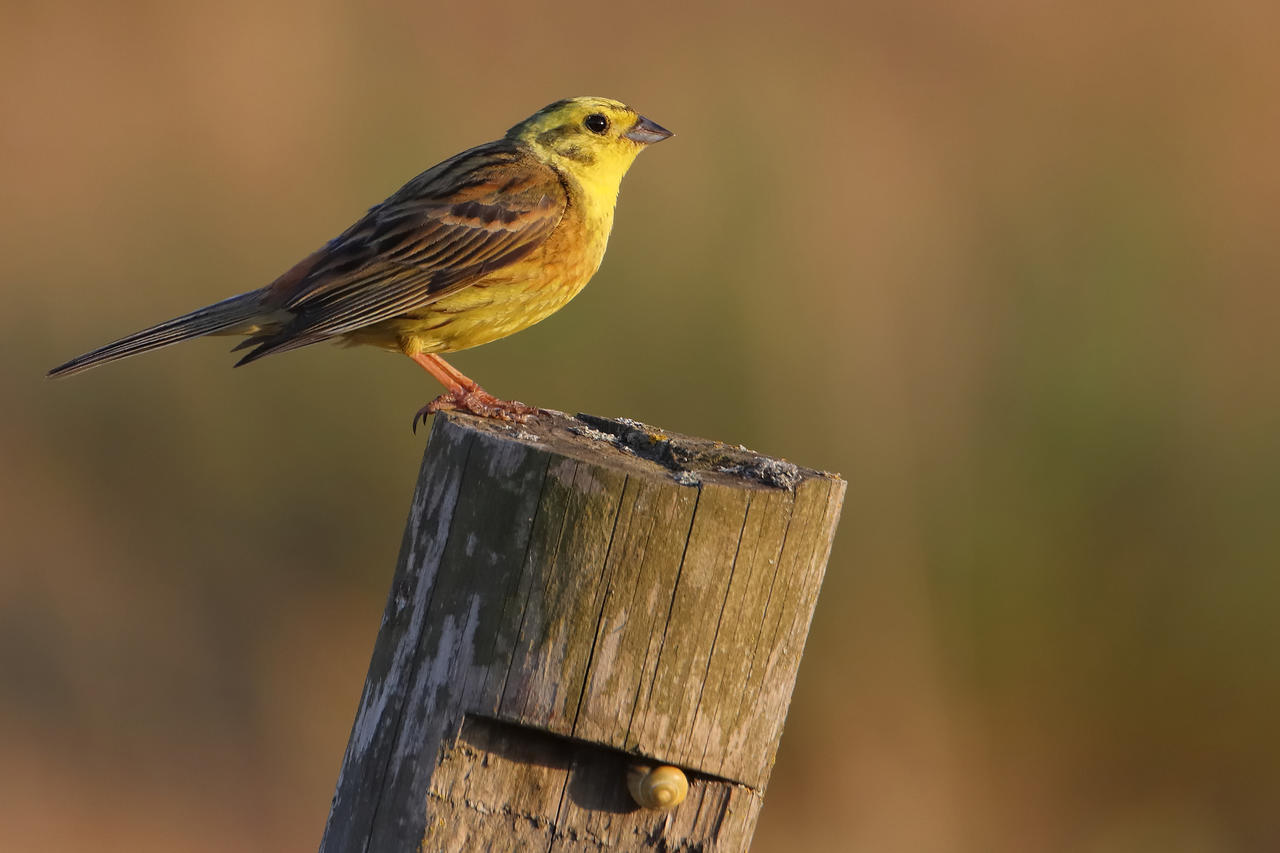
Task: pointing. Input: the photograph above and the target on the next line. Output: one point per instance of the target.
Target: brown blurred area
(1011, 268)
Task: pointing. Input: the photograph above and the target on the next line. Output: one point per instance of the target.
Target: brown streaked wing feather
(448, 227)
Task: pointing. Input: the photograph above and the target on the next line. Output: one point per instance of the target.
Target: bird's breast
(515, 297)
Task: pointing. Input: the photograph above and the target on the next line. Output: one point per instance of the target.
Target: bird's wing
(474, 213)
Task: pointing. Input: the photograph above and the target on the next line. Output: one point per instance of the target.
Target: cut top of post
(637, 448)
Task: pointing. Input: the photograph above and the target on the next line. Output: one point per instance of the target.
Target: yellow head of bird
(594, 140)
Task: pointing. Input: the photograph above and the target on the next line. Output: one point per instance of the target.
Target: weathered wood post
(575, 596)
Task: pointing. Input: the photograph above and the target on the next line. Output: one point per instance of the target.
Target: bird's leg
(464, 395)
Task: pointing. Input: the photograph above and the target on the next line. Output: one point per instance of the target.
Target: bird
(476, 248)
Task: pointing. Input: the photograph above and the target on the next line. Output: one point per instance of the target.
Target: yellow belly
(485, 312)
(509, 299)
(502, 303)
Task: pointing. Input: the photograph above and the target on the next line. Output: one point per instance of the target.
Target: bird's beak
(646, 132)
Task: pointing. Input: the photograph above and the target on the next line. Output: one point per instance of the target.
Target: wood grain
(574, 595)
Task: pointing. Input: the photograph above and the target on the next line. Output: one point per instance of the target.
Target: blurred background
(1009, 267)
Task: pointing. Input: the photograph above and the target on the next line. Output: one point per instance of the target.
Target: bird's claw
(475, 401)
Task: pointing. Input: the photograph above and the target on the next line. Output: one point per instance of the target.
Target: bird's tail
(226, 316)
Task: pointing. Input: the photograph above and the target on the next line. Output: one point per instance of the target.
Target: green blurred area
(1009, 268)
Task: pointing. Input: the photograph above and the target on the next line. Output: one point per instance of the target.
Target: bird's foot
(476, 401)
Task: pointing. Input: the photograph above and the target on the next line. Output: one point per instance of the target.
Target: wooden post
(574, 596)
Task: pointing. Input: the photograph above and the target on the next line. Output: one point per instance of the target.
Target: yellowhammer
(483, 245)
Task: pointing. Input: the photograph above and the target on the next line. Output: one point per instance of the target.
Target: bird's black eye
(596, 123)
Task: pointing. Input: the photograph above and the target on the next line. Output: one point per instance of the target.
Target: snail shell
(660, 788)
